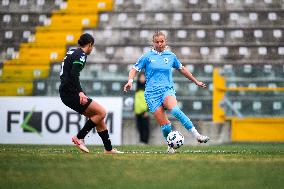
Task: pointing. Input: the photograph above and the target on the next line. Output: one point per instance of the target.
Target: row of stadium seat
(193, 102)
(211, 36)
(23, 19)
(259, 36)
(46, 5)
(40, 6)
(178, 19)
(186, 52)
(146, 5)
(120, 70)
(113, 87)
(175, 19)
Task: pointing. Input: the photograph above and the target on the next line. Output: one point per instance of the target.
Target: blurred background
(235, 46)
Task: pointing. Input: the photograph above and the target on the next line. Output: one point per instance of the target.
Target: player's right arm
(139, 65)
(131, 76)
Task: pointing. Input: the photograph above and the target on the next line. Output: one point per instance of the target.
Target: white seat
(194, 2)
(234, 16)
(196, 16)
(118, 2)
(144, 33)
(256, 105)
(277, 105)
(277, 33)
(243, 51)
(247, 69)
(10, 50)
(200, 33)
(140, 17)
(197, 105)
(8, 34)
(237, 34)
(104, 17)
(219, 33)
(267, 68)
(223, 51)
(24, 18)
(248, 2)
(97, 86)
(253, 16)
(204, 50)
(23, 2)
(237, 105)
(116, 86)
(212, 2)
(122, 17)
(268, 1)
(230, 1)
(258, 33)
(159, 16)
(262, 50)
(215, 16)
(5, 2)
(7, 18)
(281, 50)
(272, 16)
(40, 2)
(208, 68)
(177, 17)
(185, 51)
(181, 34)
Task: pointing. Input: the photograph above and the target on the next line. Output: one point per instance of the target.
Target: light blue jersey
(158, 72)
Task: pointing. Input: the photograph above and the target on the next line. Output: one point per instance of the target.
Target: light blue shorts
(155, 99)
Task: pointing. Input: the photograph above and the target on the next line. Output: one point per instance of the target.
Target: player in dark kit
(73, 96)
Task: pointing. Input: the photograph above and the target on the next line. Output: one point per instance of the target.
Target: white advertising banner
(46, 120)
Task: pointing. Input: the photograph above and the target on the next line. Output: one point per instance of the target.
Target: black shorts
(73, 101)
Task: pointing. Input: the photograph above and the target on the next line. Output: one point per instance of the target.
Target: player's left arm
(184, 71)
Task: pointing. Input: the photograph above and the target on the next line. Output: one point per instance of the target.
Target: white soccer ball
(175, 139)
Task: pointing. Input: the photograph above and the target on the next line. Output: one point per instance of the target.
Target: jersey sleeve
(177, 64)
(140, 64)
(78, 65)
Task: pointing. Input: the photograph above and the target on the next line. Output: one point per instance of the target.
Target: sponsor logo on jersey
(82, 58)
(166, 60)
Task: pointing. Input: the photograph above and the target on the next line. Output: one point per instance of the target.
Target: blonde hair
(158, 33)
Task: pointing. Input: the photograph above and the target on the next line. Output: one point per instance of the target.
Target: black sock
(106, 140)
(89, 125)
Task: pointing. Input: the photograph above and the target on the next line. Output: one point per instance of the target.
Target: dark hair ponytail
(85, 39)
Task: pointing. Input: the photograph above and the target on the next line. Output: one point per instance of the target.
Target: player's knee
(102, 114)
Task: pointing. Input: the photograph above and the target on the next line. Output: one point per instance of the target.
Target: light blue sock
(185, 121)
(166, 129)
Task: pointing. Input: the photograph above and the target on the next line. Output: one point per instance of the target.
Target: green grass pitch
(230, 166)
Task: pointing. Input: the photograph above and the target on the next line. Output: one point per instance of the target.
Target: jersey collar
(159, 53)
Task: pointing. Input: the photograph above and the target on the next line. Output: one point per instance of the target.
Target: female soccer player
(73, 96)
(159, 91)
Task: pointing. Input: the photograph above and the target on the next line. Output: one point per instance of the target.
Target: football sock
(89, 125)
(185, 121)
(106, 140)
(166, 129)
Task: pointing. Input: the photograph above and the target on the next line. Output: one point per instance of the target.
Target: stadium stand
(31, 59)
(245, 38)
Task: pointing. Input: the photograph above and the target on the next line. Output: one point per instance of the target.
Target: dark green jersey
(72, 64)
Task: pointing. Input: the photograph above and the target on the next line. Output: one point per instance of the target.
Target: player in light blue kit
(159, 91)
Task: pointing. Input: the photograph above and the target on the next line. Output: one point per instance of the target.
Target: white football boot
(113, 151)
(171, 150)
(202, 139)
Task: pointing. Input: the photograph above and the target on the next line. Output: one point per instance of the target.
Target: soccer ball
(175, 139)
